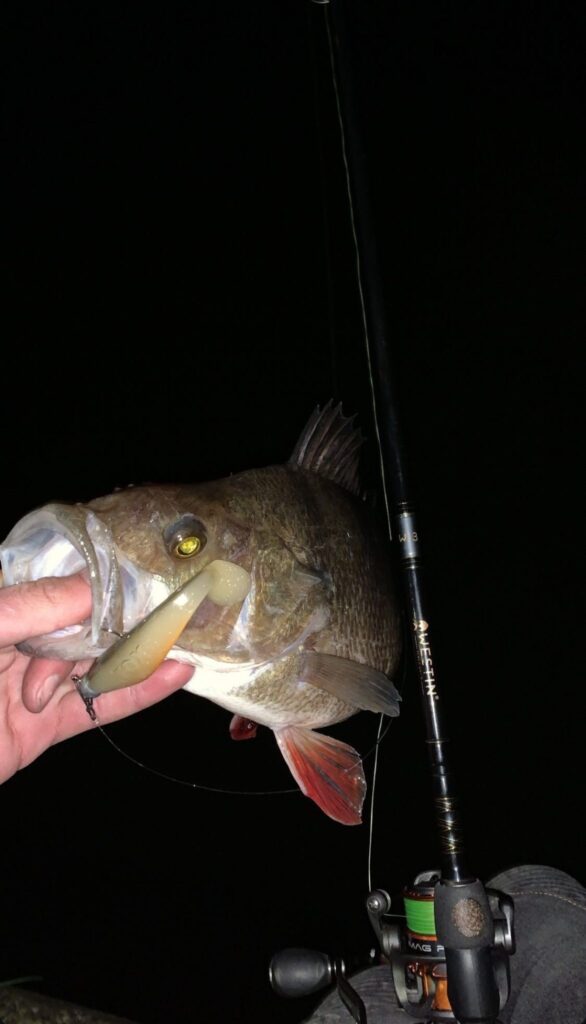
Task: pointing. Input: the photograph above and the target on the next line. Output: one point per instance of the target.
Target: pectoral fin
(326, 770)
(286, 600)
(359, 685)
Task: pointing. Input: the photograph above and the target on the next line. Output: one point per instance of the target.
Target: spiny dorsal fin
(330, 446)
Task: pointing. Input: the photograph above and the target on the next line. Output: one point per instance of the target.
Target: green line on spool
(420, 916)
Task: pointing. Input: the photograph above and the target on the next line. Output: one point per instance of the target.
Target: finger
(41, 680)
(31, 609)
(110, 707)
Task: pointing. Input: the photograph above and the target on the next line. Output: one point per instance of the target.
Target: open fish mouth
(62, 540)
(136, 618)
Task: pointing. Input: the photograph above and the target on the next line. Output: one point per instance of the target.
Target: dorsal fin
(330, 446)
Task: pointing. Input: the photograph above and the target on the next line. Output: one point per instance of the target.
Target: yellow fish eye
(185, 537)
(187, 547)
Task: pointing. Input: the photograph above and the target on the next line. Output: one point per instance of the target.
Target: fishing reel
(478, 929)
(477, 926)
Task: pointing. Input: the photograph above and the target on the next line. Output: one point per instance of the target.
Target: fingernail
(46, 691)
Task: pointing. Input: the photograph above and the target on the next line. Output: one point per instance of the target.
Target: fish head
(134, 547)
(316, 578)
(138, 545)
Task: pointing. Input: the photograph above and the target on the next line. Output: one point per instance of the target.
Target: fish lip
(34, 549)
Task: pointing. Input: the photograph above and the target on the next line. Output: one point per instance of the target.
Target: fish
(295, 625)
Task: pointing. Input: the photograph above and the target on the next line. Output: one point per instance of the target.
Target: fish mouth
(62, 540)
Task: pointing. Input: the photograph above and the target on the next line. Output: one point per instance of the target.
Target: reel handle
(300, 972)
(303, 972)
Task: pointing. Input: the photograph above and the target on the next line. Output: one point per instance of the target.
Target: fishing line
(219, 789)
(187, 782)
(89, 706)
(372, 792)
(358, 273)
(379, 739)
(88, 701)
(367, 345)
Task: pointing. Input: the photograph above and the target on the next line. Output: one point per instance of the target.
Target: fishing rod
(451, 959)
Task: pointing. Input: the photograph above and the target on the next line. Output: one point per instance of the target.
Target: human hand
(39, 705)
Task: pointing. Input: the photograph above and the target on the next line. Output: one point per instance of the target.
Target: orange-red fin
(326, 770)
(242, 728)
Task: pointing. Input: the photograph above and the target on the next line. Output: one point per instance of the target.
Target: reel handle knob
(300, 972)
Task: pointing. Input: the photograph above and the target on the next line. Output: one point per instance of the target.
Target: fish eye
(185, 538)
(188, 547)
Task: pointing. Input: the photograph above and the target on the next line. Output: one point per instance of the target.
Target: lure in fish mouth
(271, 583)
(61, 540)
(138, 653)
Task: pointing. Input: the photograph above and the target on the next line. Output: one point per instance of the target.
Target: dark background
(183, 293)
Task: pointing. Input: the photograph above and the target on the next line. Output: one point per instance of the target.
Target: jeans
(548, 970)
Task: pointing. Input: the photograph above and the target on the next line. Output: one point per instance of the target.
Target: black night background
(182, 294)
